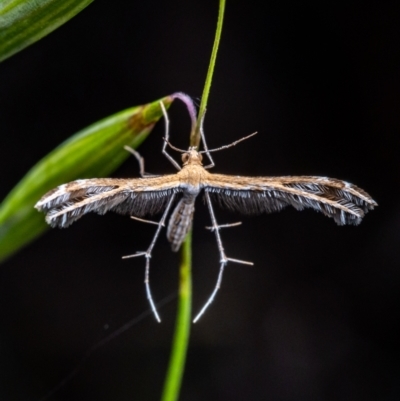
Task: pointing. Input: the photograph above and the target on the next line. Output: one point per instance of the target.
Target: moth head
(192, 156)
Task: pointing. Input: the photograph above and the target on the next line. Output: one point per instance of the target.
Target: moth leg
(147, 255)
(167, 155)
(146, 221)
(223, 258)
(173, 147)
(203, 138)
(140, 160)
(224, 225)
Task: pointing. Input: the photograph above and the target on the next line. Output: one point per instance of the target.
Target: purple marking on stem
(190, 106)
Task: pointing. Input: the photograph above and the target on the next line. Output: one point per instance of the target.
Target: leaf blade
(24, 22)
(96, 150)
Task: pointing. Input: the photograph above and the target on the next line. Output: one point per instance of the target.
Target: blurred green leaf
(96, 151)
(23, 22)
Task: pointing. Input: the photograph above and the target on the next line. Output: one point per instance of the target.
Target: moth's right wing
(344, 202)
(138, 196)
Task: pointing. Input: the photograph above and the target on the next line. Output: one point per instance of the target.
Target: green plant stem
(177, 361)
(182, 329)
(195, 136)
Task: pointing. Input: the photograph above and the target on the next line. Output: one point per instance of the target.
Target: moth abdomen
(180, 222)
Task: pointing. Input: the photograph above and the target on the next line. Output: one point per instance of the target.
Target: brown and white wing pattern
(138, 196)
(344, 202)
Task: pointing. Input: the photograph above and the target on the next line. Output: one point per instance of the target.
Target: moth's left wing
(344, 202)
(137, 196)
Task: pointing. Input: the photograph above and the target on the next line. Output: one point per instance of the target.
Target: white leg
(222, 225)
(223, 258)
(146, 221)
(203, 138)
(168, 156)
(140, 161)
(147, 255)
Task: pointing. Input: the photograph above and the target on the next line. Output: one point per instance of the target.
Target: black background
(316, 317)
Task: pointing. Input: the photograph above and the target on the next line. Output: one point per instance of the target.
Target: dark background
(316, 317)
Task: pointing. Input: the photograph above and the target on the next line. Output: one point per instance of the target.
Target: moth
(137, 197)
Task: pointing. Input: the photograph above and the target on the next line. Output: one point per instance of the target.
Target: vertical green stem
(195, 136)
(182, 329)
(180, 343)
